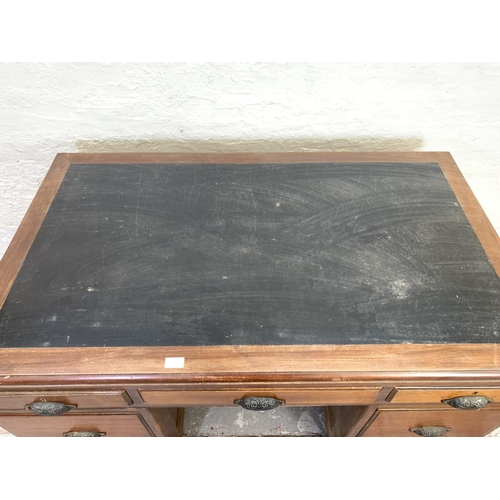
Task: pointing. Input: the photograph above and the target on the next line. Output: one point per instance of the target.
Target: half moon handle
(84, 434)
(468, 402)
(49, 408)
(430, 431)
(259, 403)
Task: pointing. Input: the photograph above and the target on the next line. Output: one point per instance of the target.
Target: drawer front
(111, 425)
(291, 397)
(83, 400)
(397, 423)
(420, 395)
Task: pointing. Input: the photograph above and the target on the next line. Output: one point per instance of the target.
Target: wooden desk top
(251, 256)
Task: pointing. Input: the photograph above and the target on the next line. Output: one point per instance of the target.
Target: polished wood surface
(279, 363)
(346, 421)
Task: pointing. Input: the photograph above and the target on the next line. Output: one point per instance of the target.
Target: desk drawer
(83, 400)
(397, 423)
(425, 395)
(292, 397)
(110, 425)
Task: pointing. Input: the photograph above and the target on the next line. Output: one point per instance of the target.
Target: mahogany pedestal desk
(140, 284)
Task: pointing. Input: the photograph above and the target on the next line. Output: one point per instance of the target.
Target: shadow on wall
(249, 146)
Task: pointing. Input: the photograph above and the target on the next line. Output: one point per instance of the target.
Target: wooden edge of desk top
(226, 363)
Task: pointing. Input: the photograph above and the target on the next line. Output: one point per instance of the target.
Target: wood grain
(247, 362)
(305, 397)
(108, 399)
(297, 157)
(168, 420)
(397, 422)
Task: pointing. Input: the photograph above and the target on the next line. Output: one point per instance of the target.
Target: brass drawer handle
(49, 408)
(430, 431)
(468, 402)
(84, 434)
(259, 403)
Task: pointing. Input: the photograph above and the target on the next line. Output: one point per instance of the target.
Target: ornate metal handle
(468, 402)
(259, 403)
(84, 434)
(49, 408)
(430, 431)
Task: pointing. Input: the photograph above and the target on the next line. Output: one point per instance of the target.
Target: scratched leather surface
(253, 254)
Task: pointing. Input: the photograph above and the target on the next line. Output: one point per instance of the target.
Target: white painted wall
(66, 107)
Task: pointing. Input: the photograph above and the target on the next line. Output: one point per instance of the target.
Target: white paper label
(174, 362)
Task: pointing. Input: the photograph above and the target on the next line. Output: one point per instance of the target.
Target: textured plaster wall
(49, 108)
